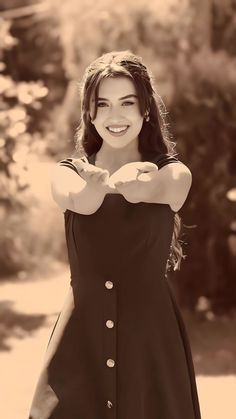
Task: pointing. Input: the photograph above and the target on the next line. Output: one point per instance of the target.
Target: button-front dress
(119, 348)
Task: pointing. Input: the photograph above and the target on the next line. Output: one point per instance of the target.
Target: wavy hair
(154, 137)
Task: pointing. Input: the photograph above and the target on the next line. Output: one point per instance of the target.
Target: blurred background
(45, 46)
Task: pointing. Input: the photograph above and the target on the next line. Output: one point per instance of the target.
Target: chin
(118, 144)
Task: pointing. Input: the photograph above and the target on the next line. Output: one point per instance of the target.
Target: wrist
(143, 189)
(98, 189)
(147, 187)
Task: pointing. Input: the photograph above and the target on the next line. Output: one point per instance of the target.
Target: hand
(130, 180)
(92, 174)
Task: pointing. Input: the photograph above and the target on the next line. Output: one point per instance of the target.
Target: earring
(89, 117)
(147, 117)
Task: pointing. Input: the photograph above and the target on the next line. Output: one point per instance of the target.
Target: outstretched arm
(169, 185)
(71, 191)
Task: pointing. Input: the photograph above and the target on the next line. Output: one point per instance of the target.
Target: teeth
(120, 129)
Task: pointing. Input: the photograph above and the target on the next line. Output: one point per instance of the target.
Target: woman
(119, 348)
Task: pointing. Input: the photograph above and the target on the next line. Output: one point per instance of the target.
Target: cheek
(101, 116)
(137, 120)
(99, 123)
(135, 114)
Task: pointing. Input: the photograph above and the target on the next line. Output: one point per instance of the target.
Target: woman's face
(118, 120)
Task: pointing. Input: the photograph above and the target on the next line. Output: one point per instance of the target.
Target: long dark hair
(154, 137)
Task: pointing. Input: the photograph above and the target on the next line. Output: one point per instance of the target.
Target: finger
(97, 170)
(118, 183)
(125, 183)
(105, 177)
(93, 176)
(110, 183)
(101, 176)
(98, 176)
(144, 177)
(80, 167)
(149, 167)
(78, 162)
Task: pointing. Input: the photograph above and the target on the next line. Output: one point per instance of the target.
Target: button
(109, 403)
(109, 324)
(109, 285)
(110, 363)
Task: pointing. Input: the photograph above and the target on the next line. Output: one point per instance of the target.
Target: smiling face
(118, 120)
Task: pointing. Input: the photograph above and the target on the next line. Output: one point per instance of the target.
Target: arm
(169, 185)
(71, 191)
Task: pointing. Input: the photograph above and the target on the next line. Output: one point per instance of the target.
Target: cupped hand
(92, 174)
(129, 179)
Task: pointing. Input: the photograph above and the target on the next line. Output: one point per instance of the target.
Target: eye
(102, 104)
(128, 103)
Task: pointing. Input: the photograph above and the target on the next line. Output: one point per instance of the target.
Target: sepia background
(190, 46)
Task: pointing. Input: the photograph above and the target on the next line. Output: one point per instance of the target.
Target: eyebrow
(121, 98)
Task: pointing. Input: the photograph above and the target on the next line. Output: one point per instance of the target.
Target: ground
(28, 309)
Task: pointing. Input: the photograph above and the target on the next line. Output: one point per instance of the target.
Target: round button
(109, 403)
(110, 363)
(109, 324)
(109, 285)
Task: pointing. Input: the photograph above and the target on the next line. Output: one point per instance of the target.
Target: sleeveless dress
(119, 348)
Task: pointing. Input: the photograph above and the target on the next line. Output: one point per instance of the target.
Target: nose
(116, 114)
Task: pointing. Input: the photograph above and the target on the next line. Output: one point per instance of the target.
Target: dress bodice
(120, 233)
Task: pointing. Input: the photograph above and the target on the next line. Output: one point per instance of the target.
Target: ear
(90, 118)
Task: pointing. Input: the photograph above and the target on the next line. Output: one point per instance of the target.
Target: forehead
(117, 86)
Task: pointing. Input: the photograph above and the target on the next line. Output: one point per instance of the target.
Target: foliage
(18, 100)
(223, 26)
(22, 143)
(206, 115)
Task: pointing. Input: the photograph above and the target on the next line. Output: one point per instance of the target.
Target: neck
(119, 156)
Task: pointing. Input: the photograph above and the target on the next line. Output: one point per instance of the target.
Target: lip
(117, 125)
(117, 134)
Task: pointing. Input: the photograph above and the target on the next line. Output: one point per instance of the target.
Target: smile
(118, 130)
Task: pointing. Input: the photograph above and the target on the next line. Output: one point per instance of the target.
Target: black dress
(119, 348)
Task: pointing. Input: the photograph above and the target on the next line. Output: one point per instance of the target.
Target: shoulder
(165, 159)
(173, 167)
(64, 173)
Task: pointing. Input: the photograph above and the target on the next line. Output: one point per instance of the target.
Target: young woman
(119, 348)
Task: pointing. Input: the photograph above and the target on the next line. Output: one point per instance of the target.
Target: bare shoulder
(64, 175)
(176, 171)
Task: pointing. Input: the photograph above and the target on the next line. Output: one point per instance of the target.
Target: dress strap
(165, 159)
(69, 162)
(161, 161)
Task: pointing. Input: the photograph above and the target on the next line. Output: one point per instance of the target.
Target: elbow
(62, 200)
(180, 193)
(188, 180)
